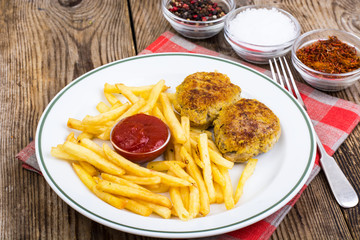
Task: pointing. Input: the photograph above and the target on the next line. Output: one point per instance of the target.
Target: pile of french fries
(193, 171)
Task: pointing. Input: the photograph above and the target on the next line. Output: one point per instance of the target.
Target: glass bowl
(325, 81)
(259, 54)
(197, 29)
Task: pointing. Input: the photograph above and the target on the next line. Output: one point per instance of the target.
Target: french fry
(171, 120)
(59, 153)
(111, 98)
(178, 204)
(71, 138)
(177, 148)
(105, 135)
(174, 213)
(91, 157)
(121, 181)
(204, 156)
(116, 105)
(96, 179)
(109, 198)
(185, 196)
(185, 123)
(78, 125)
(219, 160)
(195, 155)
(91, 145)
(109, 88)
(194, 142)
(158, 188)
(141, 171)
(157, 113)
(245, 175)
(133, 109)
(219, 193)
(213, 146)
(84, 176)
(171, 180)
(218, 177)
(227, 190)
(129, 166)
(106, 116)
(110, 124)
(142, 180)
(102, 107)
(194, 132)
(159, 210)
(194, 201)
(153, 97)
(90, 169)
(138, 90)
(170, 151)
(84, 135)
(138, 208)
(195, 138)
(126, 92)
(164, 165)
(195, 173)
(179, 172)
(129, 192)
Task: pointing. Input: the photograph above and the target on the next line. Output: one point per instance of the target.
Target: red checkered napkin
(333, 119)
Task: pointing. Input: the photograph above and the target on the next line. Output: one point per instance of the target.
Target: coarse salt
(262, 27)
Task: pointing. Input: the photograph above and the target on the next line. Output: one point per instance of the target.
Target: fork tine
(273, 72)
(296, 90)
(283, 77)
(285, 74)
(281, 81)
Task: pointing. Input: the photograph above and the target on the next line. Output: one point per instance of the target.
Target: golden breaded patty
(202, 95)
(245, 129)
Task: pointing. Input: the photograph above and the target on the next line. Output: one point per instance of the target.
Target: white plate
(279, 175)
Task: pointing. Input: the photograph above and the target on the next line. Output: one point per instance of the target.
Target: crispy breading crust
(203, 94)
(245, 129)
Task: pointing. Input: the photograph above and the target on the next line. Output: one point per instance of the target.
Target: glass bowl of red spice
(197, 19)
(327, 59)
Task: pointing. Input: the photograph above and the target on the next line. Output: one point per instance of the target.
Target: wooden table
(45, 44)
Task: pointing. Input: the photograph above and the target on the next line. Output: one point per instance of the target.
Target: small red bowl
(146, 156)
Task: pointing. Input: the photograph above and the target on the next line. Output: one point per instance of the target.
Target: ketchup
(140, 133)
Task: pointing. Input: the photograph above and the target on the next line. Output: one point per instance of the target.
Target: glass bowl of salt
(259, 33)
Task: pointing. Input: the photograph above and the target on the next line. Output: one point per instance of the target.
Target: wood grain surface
(45, 44)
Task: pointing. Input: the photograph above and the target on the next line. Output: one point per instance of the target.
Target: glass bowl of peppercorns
(327, 59)
(197, 19)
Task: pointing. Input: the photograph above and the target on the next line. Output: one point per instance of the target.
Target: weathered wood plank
(312, 15)
(43, 46)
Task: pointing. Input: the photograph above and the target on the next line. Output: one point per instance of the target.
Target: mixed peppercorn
(329, 56)
(196, 10)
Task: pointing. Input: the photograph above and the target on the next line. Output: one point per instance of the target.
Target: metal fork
(344, 193)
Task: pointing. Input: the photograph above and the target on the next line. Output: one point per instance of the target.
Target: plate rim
(162, 233)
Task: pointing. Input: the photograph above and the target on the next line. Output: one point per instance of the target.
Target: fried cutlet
(202, 95)
(245, 129)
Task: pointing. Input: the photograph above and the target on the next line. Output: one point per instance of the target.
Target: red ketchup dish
(140, 138)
